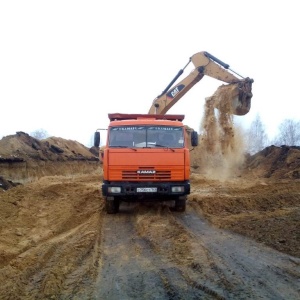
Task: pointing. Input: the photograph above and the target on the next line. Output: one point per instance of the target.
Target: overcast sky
(64, 65)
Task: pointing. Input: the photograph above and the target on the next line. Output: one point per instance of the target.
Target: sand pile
(274, 162)
(24, 158)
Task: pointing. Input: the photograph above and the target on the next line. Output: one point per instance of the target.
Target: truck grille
(133, 175)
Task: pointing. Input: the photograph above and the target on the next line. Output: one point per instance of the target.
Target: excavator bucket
(234, 98)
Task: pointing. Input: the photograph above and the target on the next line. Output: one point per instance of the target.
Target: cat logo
(145, 171)
(175, 91)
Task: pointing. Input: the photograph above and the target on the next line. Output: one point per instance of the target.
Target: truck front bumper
(147, 190)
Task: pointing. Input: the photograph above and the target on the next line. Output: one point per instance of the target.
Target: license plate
(147, 190)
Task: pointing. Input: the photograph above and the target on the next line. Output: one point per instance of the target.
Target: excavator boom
(206, 64)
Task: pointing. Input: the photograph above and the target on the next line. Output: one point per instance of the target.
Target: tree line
(257, 138)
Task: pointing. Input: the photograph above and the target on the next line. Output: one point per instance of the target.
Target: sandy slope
(57, 242)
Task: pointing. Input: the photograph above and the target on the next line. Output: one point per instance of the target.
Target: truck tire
(180, 204)
(112, 205)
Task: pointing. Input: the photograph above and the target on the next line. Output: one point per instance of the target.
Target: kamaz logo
(146, 171)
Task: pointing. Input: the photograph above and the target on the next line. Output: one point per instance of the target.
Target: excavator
(209, 65)
(147, 156)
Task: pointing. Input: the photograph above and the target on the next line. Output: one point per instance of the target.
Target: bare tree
(40, 134)
(257, 139)
(289, 133)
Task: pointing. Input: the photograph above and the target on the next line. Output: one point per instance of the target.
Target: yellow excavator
(206, 64)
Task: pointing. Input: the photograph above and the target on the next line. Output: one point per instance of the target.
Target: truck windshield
(146, 136)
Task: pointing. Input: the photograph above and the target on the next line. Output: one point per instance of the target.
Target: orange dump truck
(146, 157)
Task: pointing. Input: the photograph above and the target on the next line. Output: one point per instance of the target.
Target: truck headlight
(177, 189)
(114, 189)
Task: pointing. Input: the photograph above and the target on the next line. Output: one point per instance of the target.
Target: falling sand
(221, 143)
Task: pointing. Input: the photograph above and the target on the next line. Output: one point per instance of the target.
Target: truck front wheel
(112, 205)
(180, 204)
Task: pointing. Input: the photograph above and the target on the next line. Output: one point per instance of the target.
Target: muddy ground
(238, 239)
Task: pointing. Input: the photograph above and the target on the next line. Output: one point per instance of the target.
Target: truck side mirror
(194, 138)
(97, 139)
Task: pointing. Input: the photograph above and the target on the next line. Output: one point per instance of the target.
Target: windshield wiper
(153, 146)
(123, 147)
(164, 146)
(119, 146)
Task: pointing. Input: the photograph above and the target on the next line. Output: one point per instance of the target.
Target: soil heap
(24, 158)
(274, 162)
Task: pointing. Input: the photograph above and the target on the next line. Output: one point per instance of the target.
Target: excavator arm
(206, 64)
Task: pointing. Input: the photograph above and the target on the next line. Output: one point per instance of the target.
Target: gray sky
(64, 65)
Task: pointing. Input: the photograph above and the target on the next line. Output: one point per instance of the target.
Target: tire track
(130, 268)
(245, 268)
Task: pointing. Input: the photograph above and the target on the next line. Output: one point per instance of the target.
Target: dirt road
(57, 242)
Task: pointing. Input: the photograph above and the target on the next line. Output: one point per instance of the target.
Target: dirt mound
(24, 158)
(265, 209)
(22, 146)
(274, 162)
